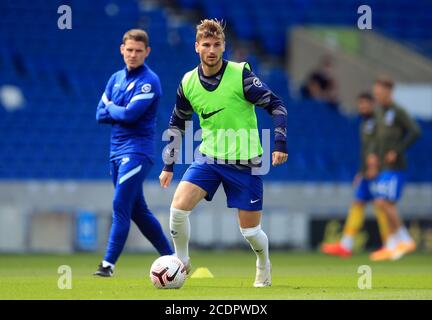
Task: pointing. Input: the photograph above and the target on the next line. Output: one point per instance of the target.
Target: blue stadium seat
(63, 74)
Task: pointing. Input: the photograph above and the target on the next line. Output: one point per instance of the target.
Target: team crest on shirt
(130, 86)
(146, 88)
(257, 82)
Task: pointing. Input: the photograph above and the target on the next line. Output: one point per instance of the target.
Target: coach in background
(130, 104)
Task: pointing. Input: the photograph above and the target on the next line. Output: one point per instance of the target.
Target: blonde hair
(385, 81)
(210, 28)
(137, 35)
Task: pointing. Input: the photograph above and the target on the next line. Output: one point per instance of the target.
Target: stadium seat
(62, 84)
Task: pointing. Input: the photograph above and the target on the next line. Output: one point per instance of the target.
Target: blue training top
(130, 104)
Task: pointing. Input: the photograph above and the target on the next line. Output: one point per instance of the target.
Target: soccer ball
(168, 272)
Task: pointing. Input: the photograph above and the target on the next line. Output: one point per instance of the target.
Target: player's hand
(279, 158)
(371, 172)
(357, 179)
(391, 157)
(372, 166)
(165, 178)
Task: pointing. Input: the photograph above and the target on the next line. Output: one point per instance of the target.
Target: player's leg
(147, 223)
(150, 227)
(105, 268)
(383, 224)
(250, 227)
(399, 230)
(356, 213)
(353, 223)
(399, 241)
(244, 191)
(186, 197)
(391, 213)
(198, 182)
(386, 252)
(388, 191)
(127, 185)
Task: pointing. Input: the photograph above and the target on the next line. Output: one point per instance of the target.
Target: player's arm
(102, 114)
(182, 112)
(261, 96)
(412, 130)
(372, 165)
(362, 157)
(370, 154)
(136, 107)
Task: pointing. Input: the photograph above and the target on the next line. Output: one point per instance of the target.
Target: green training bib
(228, 121)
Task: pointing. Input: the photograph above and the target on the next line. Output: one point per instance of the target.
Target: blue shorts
(363, 192)
(388, 185)
(243, 190)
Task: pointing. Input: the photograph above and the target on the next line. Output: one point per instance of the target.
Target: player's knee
(359, 204)
(144, 208)
(250, 232)
(122, 221)
(178, 215)
(381, 203)
(181, 202)
(142, 212)
(187, 196)
(117, 205)
(121, 209)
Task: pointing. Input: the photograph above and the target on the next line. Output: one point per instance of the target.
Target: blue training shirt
(130, 104)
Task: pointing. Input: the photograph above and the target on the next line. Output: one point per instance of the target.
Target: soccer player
(363, 182)
(396, 131)
(223, 94)
(129, 104)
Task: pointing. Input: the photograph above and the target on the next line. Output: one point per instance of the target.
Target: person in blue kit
(129, 104)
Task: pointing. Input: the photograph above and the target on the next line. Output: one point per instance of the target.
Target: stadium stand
(61, 75)
(268, 23)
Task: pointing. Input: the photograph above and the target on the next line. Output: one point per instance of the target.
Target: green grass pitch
(295, 276)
